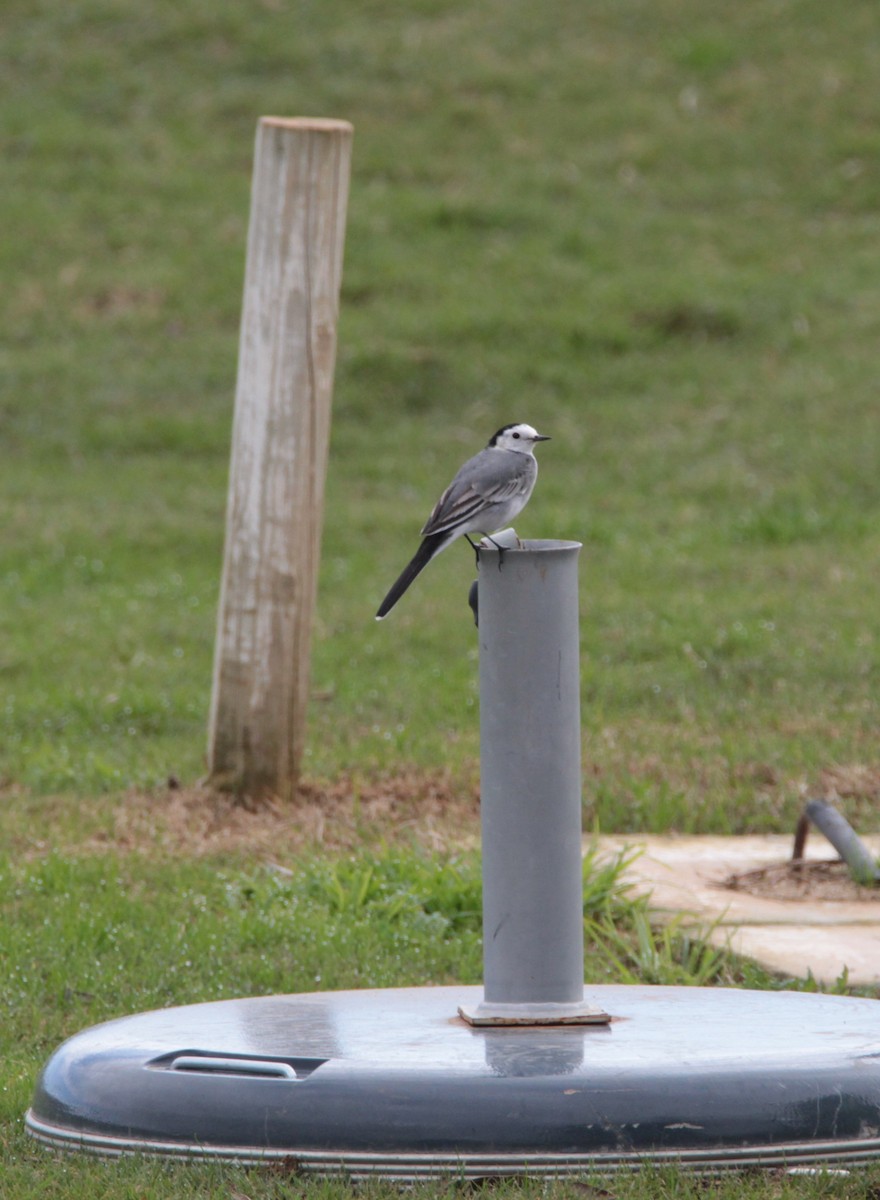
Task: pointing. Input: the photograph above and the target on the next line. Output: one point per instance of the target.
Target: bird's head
(517, 437)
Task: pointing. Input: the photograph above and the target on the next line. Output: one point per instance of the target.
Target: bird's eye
(516, 435)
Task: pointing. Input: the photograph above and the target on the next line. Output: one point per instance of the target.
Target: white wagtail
(487, 493)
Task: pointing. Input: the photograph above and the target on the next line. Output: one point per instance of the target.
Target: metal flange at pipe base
(488, 1013)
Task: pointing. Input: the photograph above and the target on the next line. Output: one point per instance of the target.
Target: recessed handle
(233, 1066)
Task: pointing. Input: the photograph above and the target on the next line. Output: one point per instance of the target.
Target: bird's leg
(502, 550)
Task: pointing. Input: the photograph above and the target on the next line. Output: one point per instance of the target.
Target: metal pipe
(861, 863)
(531, 784)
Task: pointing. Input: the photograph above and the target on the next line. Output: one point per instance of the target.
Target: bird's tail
(430, 546)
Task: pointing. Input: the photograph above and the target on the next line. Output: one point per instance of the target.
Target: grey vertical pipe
(531, 786)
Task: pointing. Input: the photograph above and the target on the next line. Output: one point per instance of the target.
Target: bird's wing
(490, 477)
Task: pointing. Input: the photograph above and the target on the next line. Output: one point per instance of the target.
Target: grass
(651, 233)
(649, 230)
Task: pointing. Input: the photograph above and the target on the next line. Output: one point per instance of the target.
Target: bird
(485, 495)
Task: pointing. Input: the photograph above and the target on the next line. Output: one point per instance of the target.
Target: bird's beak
(542, 437)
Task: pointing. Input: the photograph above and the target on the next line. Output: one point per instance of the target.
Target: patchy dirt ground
(826, 879)
(855, 783)
(430, 809)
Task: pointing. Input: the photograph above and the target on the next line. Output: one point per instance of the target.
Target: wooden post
(280, 437)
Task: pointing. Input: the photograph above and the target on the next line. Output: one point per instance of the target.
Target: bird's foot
(502, 550)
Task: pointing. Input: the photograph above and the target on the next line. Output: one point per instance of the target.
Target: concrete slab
(685, 875)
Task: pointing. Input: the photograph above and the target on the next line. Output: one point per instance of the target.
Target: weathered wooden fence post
(280, 437)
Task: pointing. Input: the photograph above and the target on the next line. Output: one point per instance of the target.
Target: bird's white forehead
(522, 430)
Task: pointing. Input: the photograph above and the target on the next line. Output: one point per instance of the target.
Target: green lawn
(650, 230)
